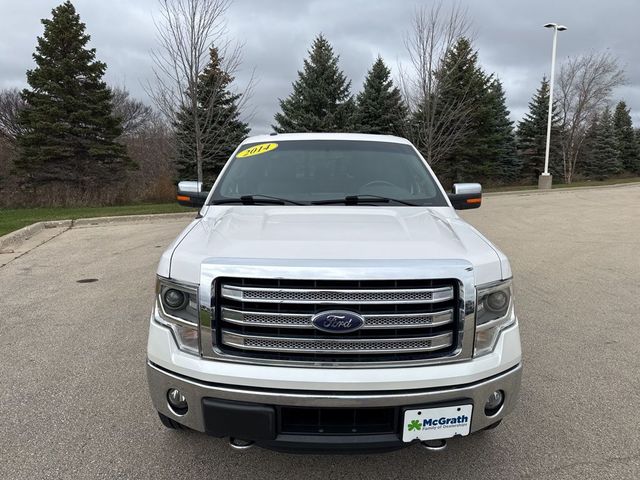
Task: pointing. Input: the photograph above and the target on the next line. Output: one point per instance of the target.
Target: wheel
(170, 422)
(493, 425)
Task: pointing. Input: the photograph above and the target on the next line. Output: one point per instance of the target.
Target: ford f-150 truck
(328, 298)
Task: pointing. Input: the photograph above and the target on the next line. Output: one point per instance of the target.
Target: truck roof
(283, 137)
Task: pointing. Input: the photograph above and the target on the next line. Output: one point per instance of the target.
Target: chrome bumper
(161, 380)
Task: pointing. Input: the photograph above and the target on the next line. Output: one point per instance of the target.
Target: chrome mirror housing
(466, 195)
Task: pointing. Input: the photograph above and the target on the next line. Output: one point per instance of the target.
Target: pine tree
(605, 153)
(69, 130)
(503, 165)
(626, 144)
(220, 124)
(464, 82)
(321, 100)
(532, 137)
(380, 108)
(589, 164)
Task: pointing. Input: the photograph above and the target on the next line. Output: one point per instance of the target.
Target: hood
(332, 232)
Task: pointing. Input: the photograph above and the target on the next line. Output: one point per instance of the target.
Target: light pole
(545, 180)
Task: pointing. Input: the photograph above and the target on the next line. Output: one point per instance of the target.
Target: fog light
(177, 401)
(494, 403)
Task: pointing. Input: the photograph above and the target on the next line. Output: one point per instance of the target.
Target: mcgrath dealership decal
(438, 423)
(257, 150)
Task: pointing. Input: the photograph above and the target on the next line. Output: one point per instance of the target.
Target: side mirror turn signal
(190, 194)
(466, 195)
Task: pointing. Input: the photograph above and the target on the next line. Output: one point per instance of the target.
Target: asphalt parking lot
(74, 401)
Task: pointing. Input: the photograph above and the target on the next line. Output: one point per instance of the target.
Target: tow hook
(238, 444)
(434, 445)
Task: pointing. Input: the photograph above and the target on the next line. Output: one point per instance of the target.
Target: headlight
(174, 299)
(177, 308)
(493, 314)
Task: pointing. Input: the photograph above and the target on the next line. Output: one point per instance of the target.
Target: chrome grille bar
(337, 296)
(377, 321)
(338, 346)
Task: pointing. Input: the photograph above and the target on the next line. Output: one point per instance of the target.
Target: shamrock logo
(414, 425)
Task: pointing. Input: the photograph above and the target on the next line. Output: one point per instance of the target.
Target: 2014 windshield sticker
(257, 150)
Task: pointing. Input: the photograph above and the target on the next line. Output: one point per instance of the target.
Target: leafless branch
(187, 32)
(11, 103)
(437, 126)
(134, 114)
(586, 83)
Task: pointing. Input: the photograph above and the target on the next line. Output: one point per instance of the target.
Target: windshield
(307, 171)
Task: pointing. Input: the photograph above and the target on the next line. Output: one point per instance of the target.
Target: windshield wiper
(362, 199)
(256, 200)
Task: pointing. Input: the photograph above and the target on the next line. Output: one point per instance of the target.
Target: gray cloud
(277, 34)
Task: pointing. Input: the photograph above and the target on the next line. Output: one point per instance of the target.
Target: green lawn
(586, 183)
(14, 219)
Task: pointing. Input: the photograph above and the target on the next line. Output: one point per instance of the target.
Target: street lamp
(545, 180)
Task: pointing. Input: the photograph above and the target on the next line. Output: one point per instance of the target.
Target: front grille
(404, 320)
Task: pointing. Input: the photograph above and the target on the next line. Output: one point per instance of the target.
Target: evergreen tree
(380, 108)
(221, 128)
(502, 161)
(464, 83)
(321, 99)
(605, 153)
(69, 132)
(532, 137)
(626, 144)
(588, 164)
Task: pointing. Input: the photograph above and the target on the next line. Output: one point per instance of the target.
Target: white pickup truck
(328, 298)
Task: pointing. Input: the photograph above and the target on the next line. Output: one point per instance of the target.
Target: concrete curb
(83, 222)
(559, 190)
(17, 237)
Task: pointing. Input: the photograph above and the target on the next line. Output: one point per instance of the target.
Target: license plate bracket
(436, 423)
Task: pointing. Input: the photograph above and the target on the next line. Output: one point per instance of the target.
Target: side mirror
(466, 195)
(190, 194)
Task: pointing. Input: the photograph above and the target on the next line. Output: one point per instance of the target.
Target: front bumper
(250, 413)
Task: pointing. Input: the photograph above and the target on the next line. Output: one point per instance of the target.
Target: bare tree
(187, 30)
(437, 126)
(133, 114)
(11, 103)
(586, 83)
(150, 148)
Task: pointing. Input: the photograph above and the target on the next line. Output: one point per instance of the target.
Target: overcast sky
(277, 33)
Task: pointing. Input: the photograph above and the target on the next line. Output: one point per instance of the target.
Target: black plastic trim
(460, 201)
(247, 421)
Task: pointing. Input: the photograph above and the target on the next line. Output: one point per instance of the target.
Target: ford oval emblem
(337, 321)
